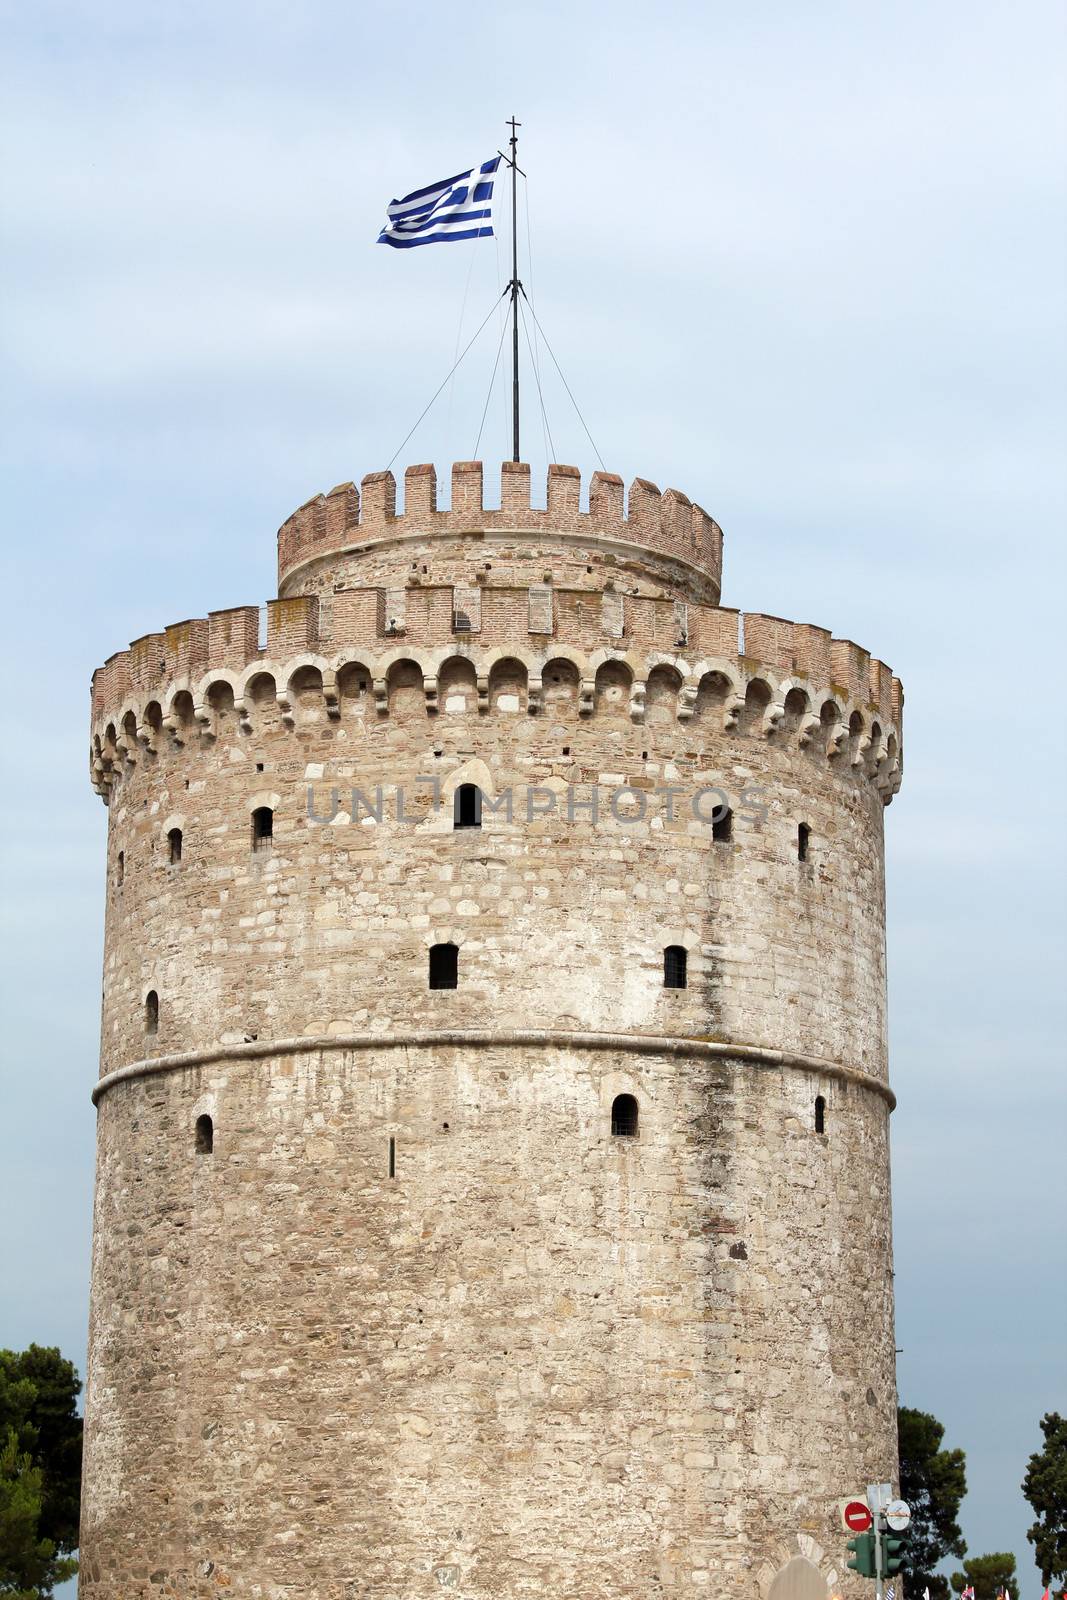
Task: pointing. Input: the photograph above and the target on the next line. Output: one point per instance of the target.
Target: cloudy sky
(803, 261)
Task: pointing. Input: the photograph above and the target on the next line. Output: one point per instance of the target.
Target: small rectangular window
(467, 806)
(444, 966)
(624, 1117)
(803, 841)
(675, 963)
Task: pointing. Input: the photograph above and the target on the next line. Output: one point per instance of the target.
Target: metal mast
(515, 287)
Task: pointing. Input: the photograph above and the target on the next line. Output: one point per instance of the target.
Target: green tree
(40, 1471)
(1045, 1486)
(933, 1482)
(29, 1565)
(988, 1576)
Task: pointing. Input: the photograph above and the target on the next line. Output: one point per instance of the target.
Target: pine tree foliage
(40, 1472)
(989, 1576)
(933, 1482)
(1045, 1486)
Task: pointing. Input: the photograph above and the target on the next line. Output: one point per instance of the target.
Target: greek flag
(457, 208)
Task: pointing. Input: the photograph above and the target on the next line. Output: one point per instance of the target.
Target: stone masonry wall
(538, 1361)
(518, 1355)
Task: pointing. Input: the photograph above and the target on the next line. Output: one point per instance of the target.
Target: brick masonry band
(560, 1038)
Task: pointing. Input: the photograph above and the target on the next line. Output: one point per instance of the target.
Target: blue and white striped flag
(457, 208)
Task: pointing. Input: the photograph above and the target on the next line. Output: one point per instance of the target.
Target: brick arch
(507, 676)
(613, 686)
(562, 652)
(457, 685)
(384, 663)
(662, 689)
(667, 658)
(530, 659)
(561, 697)
(129, 718)
(635, 662)
(180, 686)
(406, 688)
(307, 658)
(758, 700)
(211, 680)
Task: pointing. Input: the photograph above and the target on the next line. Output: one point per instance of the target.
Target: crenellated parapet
(668, 525)
(595, 613)
(810, 692)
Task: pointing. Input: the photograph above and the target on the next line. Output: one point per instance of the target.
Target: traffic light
(894, 1550)
(862, 1561)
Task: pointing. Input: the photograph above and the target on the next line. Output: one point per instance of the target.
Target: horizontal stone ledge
(563, 1038)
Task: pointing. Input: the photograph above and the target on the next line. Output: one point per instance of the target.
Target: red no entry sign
(856, 1515)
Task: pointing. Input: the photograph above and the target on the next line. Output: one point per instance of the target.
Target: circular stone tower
(493, 1163)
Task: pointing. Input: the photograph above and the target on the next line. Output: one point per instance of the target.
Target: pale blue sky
(803, 262)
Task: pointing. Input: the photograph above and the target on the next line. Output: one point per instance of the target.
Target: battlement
(764, 676)
(667, 524)
(228, 641)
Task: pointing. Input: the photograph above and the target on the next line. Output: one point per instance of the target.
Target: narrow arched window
(722, 826)
(467, 806)
(174, 846)
(262, 828)
(151, 1012)
(803, 841)
(624, 1117)
(820, 1114)
(674, 967)
(444, 966)
(120, 868)
(205, 1136)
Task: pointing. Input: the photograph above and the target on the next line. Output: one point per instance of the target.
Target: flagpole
(515, 287)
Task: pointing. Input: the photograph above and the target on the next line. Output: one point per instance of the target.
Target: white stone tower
(493, 1172)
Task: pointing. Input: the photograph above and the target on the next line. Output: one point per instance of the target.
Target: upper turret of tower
(351, 533)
